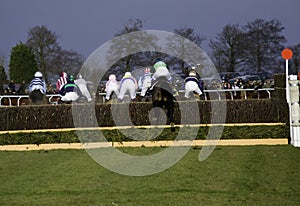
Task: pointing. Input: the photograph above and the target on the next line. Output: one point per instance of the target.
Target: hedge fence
(272, 110)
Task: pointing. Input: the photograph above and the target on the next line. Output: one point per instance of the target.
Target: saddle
(162, 83)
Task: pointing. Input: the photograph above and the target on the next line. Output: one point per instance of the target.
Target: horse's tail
(37, 97)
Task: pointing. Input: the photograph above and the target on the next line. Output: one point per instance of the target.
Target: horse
(37, 98)
(162, 97)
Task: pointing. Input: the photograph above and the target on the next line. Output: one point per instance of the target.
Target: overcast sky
(84, 25)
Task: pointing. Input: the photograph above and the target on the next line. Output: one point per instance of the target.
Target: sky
(84, 25)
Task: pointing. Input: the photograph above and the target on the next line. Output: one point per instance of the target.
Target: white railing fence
(16, 100)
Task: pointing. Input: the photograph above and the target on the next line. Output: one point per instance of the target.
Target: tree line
(254, 47)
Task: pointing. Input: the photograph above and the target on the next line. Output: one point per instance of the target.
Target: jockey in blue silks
(192, 84)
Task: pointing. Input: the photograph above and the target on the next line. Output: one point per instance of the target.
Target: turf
(232, 175)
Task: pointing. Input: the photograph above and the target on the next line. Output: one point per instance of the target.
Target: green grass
(240, 175)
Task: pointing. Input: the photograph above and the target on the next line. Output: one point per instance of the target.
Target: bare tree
(67, 60)
(264, 43)
(44, 43)
(122, 50)
(180, 44)
(227, 48)
(51, 57)
(295, 62)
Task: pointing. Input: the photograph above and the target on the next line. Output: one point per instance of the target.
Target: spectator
(267, 84)
(227, 85)
(12, 87)
(61, 81)
(50, 89)
(111, 87)
(128, 85)
(23, 88)
(145, 81)
(82, 84)
(259, 85)
(69, 91)
(251, 84)
(237, 85)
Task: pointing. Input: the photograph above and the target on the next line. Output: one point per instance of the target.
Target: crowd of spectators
(13, 88)
(238, 84)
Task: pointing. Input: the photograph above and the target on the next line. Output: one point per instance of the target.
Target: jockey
(61, 81)
(69, 91)
(111, 86)
(81, 83)
(192, 84)
(37, 88)
(145, 81)
(128, 84)
(161, 71)
(37, 83)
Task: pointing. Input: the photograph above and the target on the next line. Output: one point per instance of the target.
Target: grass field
(232, 175)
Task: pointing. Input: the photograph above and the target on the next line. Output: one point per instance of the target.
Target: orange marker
(287, 54)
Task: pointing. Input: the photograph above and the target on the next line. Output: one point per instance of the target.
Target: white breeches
(112, 88)
(128, 86)
(70, 96)
(146, 85)
(191, 87)
(85, 92)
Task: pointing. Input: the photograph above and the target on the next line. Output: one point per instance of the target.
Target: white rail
(220, 94)
(233, 92)
(19, 97)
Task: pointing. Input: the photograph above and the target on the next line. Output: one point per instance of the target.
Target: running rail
(19, 97)
(219, 92)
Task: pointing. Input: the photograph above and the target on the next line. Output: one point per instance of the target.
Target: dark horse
(37, 97)
(162, 96)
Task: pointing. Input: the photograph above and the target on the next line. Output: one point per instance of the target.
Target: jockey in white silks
(161, 71)
(82, 84)
(111, 86)
(128, 85)
(145, 81)
(192, 84)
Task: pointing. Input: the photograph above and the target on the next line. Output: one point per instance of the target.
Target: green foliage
(22, 64)
(3, 78)
(229, 132)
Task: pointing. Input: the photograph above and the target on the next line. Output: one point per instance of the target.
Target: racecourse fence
(240, 106)
(18, 100)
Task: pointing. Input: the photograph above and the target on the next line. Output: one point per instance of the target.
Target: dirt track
(231, 142)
